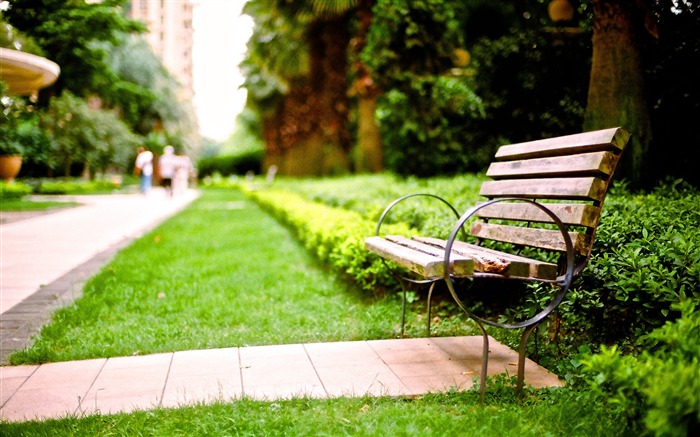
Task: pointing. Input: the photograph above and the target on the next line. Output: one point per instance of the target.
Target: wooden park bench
(539, 189)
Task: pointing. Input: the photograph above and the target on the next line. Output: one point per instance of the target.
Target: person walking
(143, 169)
(167, 165)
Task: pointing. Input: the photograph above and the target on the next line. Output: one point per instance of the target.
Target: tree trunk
(368, 151)
(368, 154)
(308, 135)
(616, 92)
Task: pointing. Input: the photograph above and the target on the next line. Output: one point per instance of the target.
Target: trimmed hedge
(335, 236)
(14, 190)
(227, 165)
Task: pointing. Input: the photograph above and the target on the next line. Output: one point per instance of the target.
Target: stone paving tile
(270, 371)
(353, 369)
(52, 390)
(203, 376)
(128, 383)
(12, 378)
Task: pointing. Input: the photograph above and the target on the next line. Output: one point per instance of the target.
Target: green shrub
(14, 190)
(335, 236)
(660, 388)
(74, 186)
(646, 259)
(227, 165)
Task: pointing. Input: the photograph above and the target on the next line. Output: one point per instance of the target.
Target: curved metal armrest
(402, 198)
(566, 278)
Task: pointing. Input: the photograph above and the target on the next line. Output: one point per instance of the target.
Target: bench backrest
(569, 175)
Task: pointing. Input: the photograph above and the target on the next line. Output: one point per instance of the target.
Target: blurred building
(170, 35)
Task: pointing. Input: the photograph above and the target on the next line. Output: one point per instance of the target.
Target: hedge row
(334, 235)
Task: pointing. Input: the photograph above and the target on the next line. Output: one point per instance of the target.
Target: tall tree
(296, 76)
(616, 94)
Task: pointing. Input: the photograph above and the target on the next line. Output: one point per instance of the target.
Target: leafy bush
(334, 235)
(660, 387)
(227, 165)
(14, 190)
(646, 258)
(425, 127)
(425, 111)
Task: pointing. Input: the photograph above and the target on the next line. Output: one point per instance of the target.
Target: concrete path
(46, 259)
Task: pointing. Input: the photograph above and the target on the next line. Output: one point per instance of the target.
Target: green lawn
(220, 274)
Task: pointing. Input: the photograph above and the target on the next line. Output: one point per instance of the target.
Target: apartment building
(170, 35)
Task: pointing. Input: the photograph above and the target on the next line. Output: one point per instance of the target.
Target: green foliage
(11, 38)
(97, 138)
(536, 79)
(68, 31)
(277, 52)
(425, 127)
(410, 38)
(12, 110)
(227, 165)
(674, 89)
(74, 186)
(451, 413)
(646, 258)
(14, 190)
(424, 113)
(659, 388)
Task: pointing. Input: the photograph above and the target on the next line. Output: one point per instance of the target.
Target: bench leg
(521, 357)
(403, 311)
(430, 298)
(484, 359)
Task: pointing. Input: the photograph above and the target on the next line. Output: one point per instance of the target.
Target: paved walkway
(45, 261)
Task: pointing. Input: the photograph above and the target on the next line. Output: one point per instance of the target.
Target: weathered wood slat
(585, 188)
(577, 214)
(419, 261)
(585, 164)
(533, 237)
(608, 139)
(492, 261)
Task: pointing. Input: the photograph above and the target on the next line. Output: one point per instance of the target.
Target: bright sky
(220, 36)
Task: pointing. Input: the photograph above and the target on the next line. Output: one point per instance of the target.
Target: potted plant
(11, 149)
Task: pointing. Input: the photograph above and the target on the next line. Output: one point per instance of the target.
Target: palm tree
(296, 75)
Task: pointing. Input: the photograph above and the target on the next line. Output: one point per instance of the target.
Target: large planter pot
(9, 166)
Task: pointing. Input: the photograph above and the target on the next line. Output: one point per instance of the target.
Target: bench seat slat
(608, 139)
(517, 266)
(585, 164)
(577, 214)
(532, 237)
(425, 264)
(583, 188)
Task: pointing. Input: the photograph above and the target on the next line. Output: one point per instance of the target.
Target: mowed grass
(220, 274)
(440, 415)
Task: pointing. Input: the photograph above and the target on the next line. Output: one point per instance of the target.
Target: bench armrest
(408, 196)
(565, 280)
